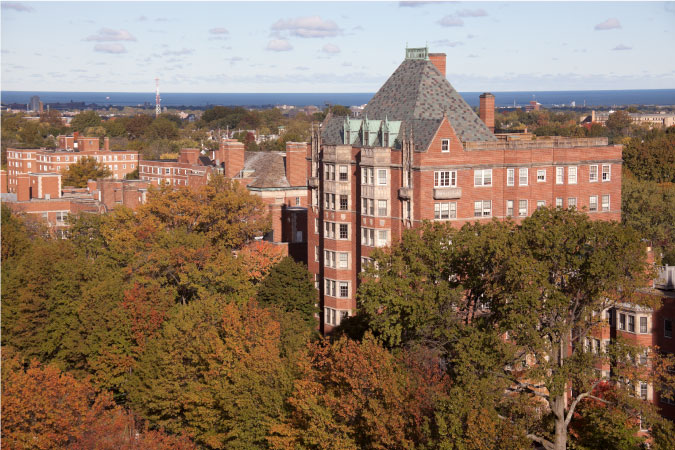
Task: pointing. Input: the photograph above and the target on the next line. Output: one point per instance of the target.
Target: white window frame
(608, 172)
(382, 181)
(541, 175)
(541, 204)
(509, 208)
(523, 173)
(380, 209)
(522, 212)
(593, 203)
(445, 178)
(445, 145)
(572, 174)
(593, 173)
(382, 242)
(605, 206)
(481, 177)
(559, 202)
(510, 177)
(345, 173)
(445, 210)
(484, 207)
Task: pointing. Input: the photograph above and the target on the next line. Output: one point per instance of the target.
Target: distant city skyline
(333, 47)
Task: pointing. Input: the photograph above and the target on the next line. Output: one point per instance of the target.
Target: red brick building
(279, 178)
(71, 150)
(42, 196)
(419, 152)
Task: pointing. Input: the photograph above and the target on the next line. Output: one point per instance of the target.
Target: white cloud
(622, 47)
(279, 45)
(608, 24)
(451, 21)
(308, 27)
(414, 4)
(331, 49)
(142, 19)
(182, 52)
(110, 48)
(108, 34)
(447, 43)
(219, 30)
(472, 13)
(16, 6)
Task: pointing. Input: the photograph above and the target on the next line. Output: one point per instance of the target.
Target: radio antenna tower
(158, 108)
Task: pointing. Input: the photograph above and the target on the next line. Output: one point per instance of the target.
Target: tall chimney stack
(438, 60)
(486, 110)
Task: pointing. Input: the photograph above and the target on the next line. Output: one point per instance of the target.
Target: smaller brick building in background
(71, 150)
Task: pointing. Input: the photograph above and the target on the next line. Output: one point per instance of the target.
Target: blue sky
(333, 46)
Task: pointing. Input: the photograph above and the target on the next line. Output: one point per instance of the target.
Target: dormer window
(385, 139)
(366, 138)
(347, 137)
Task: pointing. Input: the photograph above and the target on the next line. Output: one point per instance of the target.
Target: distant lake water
(519, 98)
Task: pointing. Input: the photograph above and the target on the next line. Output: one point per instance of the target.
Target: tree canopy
(86, 168)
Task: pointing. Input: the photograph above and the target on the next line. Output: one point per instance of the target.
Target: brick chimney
(106, 144)
(231, 153)
(296, 163)
(188, 156)
(486, 110)
(438, 60)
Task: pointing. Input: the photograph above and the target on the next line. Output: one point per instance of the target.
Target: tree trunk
(560, 441)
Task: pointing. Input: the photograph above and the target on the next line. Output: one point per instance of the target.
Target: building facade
(71, 150)
(419, 152)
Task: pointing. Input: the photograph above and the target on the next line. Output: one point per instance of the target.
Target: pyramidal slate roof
(418, 95)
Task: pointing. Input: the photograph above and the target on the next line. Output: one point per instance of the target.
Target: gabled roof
(418, 95)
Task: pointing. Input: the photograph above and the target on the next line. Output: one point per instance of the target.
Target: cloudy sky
(333, 46)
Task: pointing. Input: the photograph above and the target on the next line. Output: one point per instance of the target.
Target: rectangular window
(344, 201)
(643, 390)
(445, 145)
(382, 208)
(344, 231)
(167, 171)
(631, 324)
(446, 178)
(482, 208)
(559, 202)
(385, 139)
(364, 175)
(541, 175)
(297, 201)
(606, 172)
(509, 208)
(541, 203)
(643, 325)
(482, 177)
(382, 177)
(371, 175)
(622, 321)
(364, 206)
(593, 203)
(572, 202)
(344, 289)
(443, 211)
(382, 238)
(609, 318)
(344, 176)
(510, 177)
(522, 176)
(572, 175)
(605, 202)
(522, 208)
(344, 260)
(316, 254)
(667, 328)
(593, 173)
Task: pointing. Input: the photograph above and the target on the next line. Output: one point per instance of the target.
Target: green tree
(84, 120)
(618, 123)
(138, 125)
(339, 110)
(543, 282)
(215, 371)
(289, 287)
(86, 168)
(652, 157)
(162, 128)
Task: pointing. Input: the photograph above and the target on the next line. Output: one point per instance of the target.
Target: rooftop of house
(418, 96)
(267, 169)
